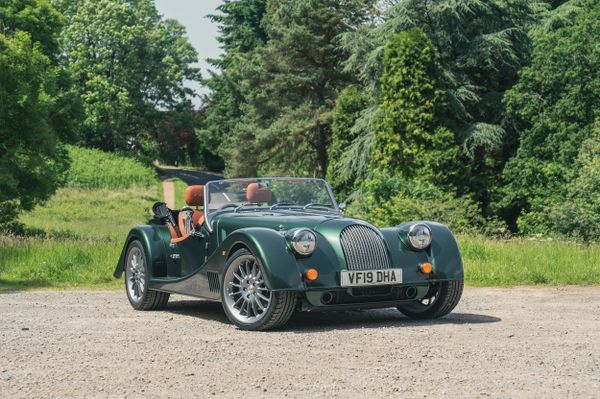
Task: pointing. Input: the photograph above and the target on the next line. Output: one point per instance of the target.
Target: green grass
(92, 214)
(75, 239)
(93, 169)
(179, 186)
(34, 263)
(520, 261)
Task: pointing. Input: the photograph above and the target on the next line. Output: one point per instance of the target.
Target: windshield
(240, 195)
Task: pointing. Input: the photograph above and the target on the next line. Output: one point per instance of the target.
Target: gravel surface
(520, 342)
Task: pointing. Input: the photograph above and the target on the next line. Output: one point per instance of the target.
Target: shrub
(579, 215)
(91, 168)
(389, 201)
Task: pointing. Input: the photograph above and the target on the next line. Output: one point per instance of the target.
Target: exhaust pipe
(410, 292)
(327, 298)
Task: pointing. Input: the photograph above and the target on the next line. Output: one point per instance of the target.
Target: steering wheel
(229, 206)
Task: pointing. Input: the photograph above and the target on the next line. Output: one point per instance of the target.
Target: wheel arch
(152, 242)
(282, 272)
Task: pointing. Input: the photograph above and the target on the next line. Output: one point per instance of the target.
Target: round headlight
(304, 242)
(419, 236)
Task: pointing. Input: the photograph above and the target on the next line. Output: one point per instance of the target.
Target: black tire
(443, 298)
(277, 312)
(143, 298)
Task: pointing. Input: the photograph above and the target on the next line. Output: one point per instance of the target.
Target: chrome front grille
(364, 248)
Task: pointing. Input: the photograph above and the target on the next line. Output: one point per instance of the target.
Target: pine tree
(241, 33)
(293, 82)
(411, 140)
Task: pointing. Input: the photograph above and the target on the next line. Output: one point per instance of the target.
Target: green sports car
(266, 247)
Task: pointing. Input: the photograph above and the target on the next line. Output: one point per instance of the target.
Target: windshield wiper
(316, 205)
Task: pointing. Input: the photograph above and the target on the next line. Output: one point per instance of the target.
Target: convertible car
(266, 247)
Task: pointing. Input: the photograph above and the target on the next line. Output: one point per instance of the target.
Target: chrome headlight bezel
(419, 236)
(303, 241)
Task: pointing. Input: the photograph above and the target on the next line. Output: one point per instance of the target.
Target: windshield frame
(207, 214)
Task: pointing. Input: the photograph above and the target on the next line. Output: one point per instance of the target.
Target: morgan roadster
(266, 247)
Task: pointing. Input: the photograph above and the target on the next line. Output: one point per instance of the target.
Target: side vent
(214, 285)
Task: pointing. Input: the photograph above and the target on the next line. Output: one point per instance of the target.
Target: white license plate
(371, 277)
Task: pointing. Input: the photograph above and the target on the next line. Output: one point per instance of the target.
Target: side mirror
(342, 207)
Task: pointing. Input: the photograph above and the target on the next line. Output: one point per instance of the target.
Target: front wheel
(137, 279)
(247, 301)
(441, 299)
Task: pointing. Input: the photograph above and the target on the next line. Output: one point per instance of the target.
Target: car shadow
(374, 318)
(206, 310)
(305, 322)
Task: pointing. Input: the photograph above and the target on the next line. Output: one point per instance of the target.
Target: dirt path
(169, 193)
(192, 176)
(523, 342)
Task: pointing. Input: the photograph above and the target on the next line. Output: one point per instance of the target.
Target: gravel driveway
(521, 342)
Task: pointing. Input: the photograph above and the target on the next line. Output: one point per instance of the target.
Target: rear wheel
(441, 299)
(137, 279)
(247, 301)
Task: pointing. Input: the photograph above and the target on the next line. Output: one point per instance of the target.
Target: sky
(201, 31)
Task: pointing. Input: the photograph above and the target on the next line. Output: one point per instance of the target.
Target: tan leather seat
(257, 194)
(193, 197)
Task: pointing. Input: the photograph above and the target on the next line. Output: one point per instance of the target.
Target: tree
(293, 82)
(579, 215)
(241, 33)
(37, 17)
(31, 156)
(129, 66)
(481, 47)
(556, 105)
(411, 139)
(348, 106)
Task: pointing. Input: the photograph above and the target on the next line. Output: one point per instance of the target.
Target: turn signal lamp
(311, 274)
(425, 268)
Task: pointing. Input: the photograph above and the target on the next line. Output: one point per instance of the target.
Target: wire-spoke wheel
(247, 300)
(441, 299)
(137, 279)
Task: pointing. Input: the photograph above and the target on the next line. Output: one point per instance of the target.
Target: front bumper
(363, 297)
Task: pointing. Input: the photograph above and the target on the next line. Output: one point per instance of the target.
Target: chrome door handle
(175, 256)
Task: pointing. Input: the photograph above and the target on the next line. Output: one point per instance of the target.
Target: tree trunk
(321, 148)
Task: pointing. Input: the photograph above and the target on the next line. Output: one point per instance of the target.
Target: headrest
(257, 194)
(194, 195)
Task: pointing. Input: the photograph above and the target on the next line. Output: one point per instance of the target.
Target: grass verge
(521, 261)
(179, 187)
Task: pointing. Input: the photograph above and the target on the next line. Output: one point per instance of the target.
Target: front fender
(282, 271)
(152, 239)
(443, 253)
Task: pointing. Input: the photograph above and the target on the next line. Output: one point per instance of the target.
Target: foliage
(410, 138)
(579, 214)
(348, 106)
(241, 32)
(31, 156)
(555, 104)
(291, 84)
(481, 47)
(129, 66)
(95, 169)
(389, 201)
